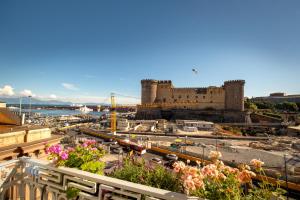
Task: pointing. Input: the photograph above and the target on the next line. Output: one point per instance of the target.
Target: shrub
(152, 175)
(86, 156)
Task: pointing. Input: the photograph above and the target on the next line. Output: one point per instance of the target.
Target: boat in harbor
(13, 108)
(106, 110)
(85, 109)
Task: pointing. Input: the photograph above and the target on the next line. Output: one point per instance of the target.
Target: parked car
(109, 165)
(117, 150)
(156, 160)
(169, 164)
(172, 157)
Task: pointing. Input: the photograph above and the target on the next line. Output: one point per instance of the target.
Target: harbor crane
(113, 110)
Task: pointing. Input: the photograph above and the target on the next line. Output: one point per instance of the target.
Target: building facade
(2, 104)
(278, 97)
(161, 95)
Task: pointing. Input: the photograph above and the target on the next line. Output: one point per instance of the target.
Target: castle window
(187, 96)
(203, 97)
(172, 96)
(196, 97)
(179, 96)
(175, 100)
(164, 100)
(196, 101)
(211, 101)
(211, 92)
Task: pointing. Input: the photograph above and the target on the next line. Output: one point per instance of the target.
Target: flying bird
(195, 71)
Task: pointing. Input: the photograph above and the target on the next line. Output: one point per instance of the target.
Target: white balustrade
(27, 178)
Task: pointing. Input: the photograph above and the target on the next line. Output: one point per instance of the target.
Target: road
(112, 157)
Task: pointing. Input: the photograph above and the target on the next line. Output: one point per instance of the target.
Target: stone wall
(11, 138)
(18, 137)
(37, 134)
(2, 105)
(206, 115)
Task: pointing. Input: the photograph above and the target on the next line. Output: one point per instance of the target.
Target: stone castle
(161, 98)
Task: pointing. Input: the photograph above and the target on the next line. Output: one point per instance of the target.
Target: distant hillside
(33, 101)
(15, 100)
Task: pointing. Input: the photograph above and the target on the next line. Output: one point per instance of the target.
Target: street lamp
(29, 105)
(203, 146)
(20, 109)
(286, 175)
(185, 142)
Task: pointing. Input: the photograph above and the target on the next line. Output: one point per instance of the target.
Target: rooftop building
(279, 97)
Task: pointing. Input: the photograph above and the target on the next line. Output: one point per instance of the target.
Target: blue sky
(83, 50)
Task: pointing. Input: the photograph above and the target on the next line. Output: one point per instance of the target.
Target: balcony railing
(27, 178)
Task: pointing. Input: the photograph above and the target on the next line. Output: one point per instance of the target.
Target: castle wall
(234, 95)
(191, 98)
(164, 92)
(149, 90)
(162, 97)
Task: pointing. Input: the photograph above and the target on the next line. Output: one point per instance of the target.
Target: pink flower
(198, 183)
(178, 166)
(84, 145)
(70, 149)
(215, 155)
(245, 176)
(210, 170)
(257, 163)
(221, 176)
(189, 184)
(229, 170)
(47, 150)
(64, 155)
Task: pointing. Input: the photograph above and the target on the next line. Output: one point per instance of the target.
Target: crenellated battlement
(190, 88)
(149, 81)
(164, 81)
(234, 82)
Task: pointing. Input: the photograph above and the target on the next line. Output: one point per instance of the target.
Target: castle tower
(234, 95)
(149, 89)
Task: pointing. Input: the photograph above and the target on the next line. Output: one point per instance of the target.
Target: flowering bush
(213, 181)
(217, 181)
(86, 156)
(152, 175)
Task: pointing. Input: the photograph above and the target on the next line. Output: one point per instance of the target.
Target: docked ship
(106, 110)
(85, 109)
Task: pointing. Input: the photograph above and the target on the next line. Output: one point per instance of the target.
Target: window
(203, 97)
(187, 96)
(196, 97)
(179, 96)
